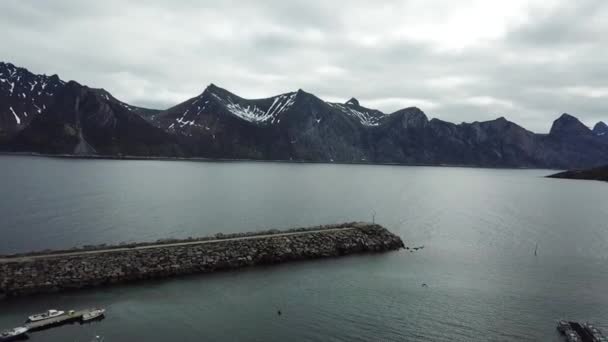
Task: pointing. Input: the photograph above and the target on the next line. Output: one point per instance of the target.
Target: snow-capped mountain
(44, 114)
(23, 96)
(367, 117)
(260, 111)
(267, 111)
(286, 126)
(85, 121)
(200, 111)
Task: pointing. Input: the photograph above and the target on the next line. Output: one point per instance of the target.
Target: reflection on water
(479, 228)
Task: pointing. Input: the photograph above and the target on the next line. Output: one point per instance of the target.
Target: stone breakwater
(38, 273)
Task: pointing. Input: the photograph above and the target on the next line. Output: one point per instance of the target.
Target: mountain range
(44, 114)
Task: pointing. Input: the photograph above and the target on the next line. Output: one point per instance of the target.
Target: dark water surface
(479, 228)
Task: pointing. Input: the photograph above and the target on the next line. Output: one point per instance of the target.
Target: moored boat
(562, 326)
(93, 314)
(13, 334)
(45, 315)
(576, 332)
(596, 333)
(572, 336)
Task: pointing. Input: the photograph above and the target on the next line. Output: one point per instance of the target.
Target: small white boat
(45, 315)
(93, 314)
(12, 334)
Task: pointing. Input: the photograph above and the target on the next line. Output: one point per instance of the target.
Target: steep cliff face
(23, 96)
(600, 129)
(88, 121)
(569, 126)
(571, 144)
(410, 136)
(69, 118)
(290, 126)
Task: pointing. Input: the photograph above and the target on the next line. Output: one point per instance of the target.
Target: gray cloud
(472, 60)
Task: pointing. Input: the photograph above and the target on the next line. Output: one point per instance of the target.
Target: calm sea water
(479, 228)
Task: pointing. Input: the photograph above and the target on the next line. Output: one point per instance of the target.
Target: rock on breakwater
(38, 273)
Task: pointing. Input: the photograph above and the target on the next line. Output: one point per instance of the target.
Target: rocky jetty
(39, 273)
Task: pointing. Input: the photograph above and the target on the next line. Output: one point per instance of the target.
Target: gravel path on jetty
(65, 270)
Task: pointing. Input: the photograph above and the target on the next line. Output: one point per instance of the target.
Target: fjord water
(479, 228)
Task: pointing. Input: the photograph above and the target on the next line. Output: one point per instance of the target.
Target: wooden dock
(580, 332)
(69, 317)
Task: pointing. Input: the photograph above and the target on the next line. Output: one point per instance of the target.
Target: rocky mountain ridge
(69, 118)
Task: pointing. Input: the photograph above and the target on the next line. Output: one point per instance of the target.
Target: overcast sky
(463, 60)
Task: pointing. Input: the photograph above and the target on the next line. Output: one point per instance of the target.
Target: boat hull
(93, 315)
(44, 316)
(19, 335)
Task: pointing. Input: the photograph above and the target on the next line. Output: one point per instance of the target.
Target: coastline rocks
(599, 174)
(38, 274)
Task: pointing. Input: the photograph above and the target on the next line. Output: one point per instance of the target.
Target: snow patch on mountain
(366, 118)
(280, 104)
(25, 93)
(16, 116)
(253, 113)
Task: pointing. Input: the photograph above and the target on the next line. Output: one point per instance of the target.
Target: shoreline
(599, 174)
(54, 272)
(227, 160)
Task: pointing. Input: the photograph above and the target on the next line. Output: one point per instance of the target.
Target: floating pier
(68, 317)
(71, 316)
(580, 332)
(102, 265)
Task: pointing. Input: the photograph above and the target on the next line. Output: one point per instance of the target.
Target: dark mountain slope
(409, 136)
(74, 119)
(601, 130)
(82, 120)
(23, 96)
(570, 144)
(291, 126)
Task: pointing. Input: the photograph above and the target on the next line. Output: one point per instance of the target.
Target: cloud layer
(459, 61)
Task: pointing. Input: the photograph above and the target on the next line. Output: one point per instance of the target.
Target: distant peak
(301, 93)
(214, 89)
(498, 121)
(411, 111)
(567, 124)
(412, 117)
(6, 64)
(353, 102)
(600, 125)
(73, 83)
(566, 116)
(600, 128)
